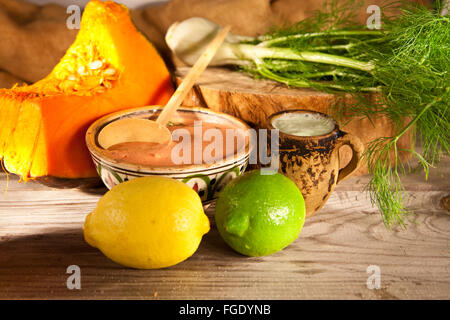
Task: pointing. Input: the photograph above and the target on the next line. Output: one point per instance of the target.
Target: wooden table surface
(41, 235)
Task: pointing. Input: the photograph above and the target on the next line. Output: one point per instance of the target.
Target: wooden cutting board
(253, 100)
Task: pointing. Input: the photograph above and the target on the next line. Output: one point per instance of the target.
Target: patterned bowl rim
(100, 156)
(177, 174)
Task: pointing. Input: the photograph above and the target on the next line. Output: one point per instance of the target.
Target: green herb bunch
(406, 64)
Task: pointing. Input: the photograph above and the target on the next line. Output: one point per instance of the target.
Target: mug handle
(357, 150)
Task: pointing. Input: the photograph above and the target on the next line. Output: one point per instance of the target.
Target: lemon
(147, 223)
(258, 215)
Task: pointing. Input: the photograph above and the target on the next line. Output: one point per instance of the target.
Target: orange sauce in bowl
(197, 138)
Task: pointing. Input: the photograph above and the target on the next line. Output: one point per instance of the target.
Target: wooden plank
(41, 235)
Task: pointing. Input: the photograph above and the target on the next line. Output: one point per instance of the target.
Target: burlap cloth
(33, 38)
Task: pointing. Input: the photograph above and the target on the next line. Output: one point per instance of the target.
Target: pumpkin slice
(19, 151)
(8, 121)
(109, 67)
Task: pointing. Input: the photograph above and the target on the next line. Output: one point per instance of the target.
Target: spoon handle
(189, 81)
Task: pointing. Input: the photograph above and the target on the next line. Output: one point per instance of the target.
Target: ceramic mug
(312, 162)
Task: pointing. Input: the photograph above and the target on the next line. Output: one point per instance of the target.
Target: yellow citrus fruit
(147, 223)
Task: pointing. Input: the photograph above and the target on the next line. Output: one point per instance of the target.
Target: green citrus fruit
(259, 214)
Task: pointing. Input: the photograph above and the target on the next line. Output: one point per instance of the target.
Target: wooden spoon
(143, 130)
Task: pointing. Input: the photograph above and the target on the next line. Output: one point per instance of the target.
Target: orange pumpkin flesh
(109, 67)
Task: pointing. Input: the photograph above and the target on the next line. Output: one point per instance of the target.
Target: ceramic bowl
(206, 179)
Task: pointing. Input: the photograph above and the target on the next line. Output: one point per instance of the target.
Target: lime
(259, 214)
(147, 223)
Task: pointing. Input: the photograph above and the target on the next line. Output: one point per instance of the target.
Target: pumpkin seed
(81, 71)
(108, 84)
(109, 72)
(97, 64)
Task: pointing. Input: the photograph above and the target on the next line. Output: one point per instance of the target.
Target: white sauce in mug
(303, 124)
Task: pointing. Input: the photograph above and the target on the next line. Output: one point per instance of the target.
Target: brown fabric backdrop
(33, 38)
